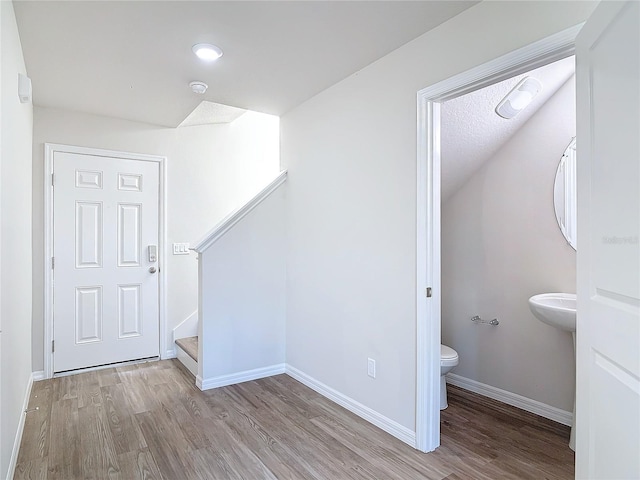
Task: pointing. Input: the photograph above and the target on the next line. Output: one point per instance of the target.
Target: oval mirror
(564, 194)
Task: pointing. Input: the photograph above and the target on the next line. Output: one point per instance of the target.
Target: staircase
(187, 353)
(240, 321)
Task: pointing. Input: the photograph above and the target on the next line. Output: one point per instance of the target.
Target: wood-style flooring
(148, 421)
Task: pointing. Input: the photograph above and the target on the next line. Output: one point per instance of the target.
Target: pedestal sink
(558, 310)
(555, 309)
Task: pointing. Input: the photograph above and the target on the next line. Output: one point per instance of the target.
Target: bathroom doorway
(431, 101)
(608, 75)
(501, 147)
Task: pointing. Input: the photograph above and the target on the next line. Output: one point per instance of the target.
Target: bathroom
(501, 242)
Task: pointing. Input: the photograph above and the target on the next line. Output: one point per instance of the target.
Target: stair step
(189, 345)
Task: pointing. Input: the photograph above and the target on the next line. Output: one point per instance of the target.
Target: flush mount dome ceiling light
(518, 98)
(207, 52)
(198, 87)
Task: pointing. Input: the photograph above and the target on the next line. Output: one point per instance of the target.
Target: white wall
(15, 238)
(351, 156)
(500, 245)
(211, 170)
(242, 326)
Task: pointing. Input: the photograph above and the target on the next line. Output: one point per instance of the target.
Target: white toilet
(448, 360)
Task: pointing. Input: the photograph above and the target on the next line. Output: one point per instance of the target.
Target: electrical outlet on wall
(371, 367)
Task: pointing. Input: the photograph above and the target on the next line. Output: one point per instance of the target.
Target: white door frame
(49, 150)
(542, 52)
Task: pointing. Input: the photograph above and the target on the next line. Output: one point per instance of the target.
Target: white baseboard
(390, 426)
(23, 414)
(233, 378)
(37, 376)
(513, 399)
(169, 354)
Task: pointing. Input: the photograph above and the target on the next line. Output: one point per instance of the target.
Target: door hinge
(53, 263)
(428, 292)
(53, 179)
(53, 346)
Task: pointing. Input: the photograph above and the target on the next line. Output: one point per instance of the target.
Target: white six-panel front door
(105, 230)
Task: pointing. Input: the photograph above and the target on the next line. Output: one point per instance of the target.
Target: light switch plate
(181, 249)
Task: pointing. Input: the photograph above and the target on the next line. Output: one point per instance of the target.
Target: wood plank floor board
(125, 431)
(385, 445)
(109, 377)
(88, 389)
(218, 402)
(177, 414)
(520, 442)
(140, 396)
(240, 397)
(364, 473)
(209, 463)
(139, 465)
(64, 457)
(195, 405)
(295, 439)
(506, 413)
(33, 469)
(241, 460)
(275, 457)
(295, 424)
(97, 450)
(148, 421)
(36, 439)
(371, 450)
(166, 444)
(293, 419)
(289, 398)
(64, 388)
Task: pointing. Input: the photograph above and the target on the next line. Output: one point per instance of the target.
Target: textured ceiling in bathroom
(472, 132)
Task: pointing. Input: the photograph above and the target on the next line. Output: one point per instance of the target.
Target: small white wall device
(153, 253)
(24, 88)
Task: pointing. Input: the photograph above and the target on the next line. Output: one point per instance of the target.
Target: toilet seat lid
(447, 353)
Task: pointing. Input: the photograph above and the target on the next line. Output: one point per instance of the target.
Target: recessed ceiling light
(198, 87)
(518, 98)
(207, 52)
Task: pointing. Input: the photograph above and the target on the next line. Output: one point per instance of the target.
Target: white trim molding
(542, 52)
(230, 220)
(38, 375)
(533, 406)
(384, 423)
(18, 438)
(428, 277)
(239, 377)
(165, 351)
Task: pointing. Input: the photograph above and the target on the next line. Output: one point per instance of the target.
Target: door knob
(152, 270)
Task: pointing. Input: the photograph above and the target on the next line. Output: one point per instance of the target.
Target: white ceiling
(472, 132)
(133, 59)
